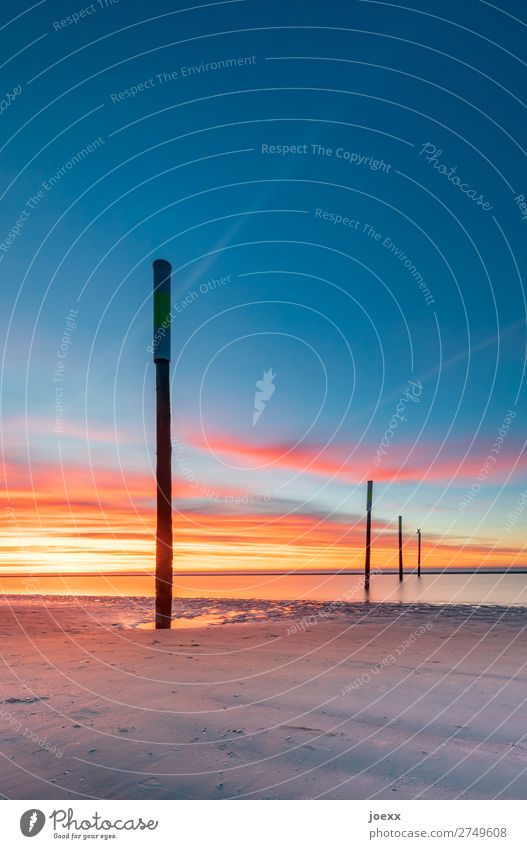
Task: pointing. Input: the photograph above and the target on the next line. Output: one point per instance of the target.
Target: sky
(339, 190)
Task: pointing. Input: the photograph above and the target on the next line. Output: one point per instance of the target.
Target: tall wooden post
(368, 536)
(400, 548)
(161, 349)
(418, 552)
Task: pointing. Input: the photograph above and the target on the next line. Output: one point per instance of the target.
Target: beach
(252, 699)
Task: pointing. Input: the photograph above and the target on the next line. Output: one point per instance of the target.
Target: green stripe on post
(162, 310)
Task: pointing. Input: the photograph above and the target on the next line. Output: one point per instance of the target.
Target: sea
(442, 588)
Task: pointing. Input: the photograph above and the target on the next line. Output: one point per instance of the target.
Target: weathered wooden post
(418, 552)
(161, 349)
(368, 536)
(400, 548)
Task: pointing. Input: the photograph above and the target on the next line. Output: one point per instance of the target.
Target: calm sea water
(480, 588)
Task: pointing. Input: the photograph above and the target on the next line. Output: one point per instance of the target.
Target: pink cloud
(403, 463)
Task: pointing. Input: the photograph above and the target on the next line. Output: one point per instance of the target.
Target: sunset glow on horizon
(346, 293)
(102, 520)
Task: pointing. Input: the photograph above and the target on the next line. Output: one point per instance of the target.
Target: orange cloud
(351, 464)
(103, 519)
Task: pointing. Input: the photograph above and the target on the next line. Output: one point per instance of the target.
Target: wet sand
(274, 700)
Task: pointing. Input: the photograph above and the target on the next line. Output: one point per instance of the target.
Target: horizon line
(434, 570)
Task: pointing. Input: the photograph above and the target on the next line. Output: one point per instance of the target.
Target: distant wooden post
(418, 552)
(368, 536)
(161, 350)
(400, 548)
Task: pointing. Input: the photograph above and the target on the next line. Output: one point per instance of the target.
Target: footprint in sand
(29, 700)
(86, 712)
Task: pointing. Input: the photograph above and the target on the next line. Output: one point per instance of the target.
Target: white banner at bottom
(260, 824)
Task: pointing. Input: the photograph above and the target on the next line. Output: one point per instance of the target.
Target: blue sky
(177, 168)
